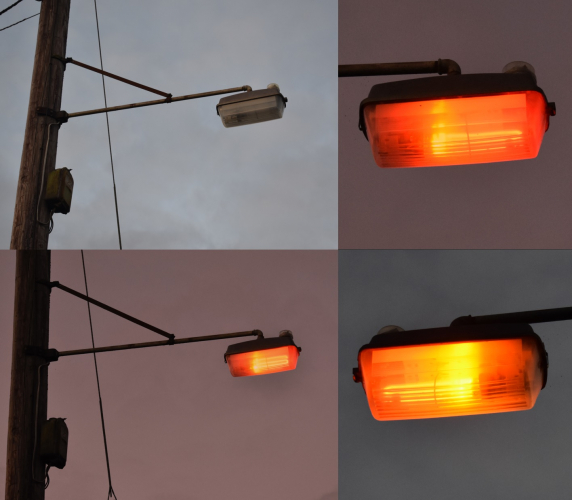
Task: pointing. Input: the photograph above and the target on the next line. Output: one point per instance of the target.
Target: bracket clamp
(48, 354)
(59, 116)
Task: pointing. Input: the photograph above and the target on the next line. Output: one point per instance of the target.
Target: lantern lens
(451, 379)
(454, 131)
(262, 362)
(252, 111)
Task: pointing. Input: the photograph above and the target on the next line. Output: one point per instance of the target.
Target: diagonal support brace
(56, 284)
(69, 60)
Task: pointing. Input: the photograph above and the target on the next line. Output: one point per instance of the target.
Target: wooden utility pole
(24, 470)
(31, 328)
(46, 92)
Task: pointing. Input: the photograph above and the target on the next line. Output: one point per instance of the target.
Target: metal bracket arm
(244, 88)
(539, 316)
(56, 284)
(54, 354)
(441, 66)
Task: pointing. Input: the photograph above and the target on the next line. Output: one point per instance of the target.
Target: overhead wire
(25, 19)
(108, 133)
(8, 8)
(110, 492)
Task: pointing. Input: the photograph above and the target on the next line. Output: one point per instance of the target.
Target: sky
(519, 204)
(524, 454)
(183, 180)
(178, 424)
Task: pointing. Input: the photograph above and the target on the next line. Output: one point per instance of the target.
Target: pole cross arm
(53, 354)
(539, 316)
(441, 67)
(56, 284)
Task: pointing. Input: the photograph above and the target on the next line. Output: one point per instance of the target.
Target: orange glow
(279, 359)
(457, 131)
(451, 379)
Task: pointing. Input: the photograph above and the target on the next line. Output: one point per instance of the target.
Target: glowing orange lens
(452, 379)
(280, 359)
(457, 131)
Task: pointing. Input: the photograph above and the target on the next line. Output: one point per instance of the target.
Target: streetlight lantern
(263, 356)
(452, 371)
(253, 106)
(457, 119)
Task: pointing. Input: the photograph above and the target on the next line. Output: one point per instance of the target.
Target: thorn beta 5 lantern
(254, 106)
(263, 356)
(453, 371)
(456, 119)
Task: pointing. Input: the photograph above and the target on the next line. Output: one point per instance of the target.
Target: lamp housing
(254, 106)
(263, 356)
(452, 371)
(456, 119)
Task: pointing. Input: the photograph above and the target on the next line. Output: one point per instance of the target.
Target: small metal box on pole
(59, 191)
(54, 443)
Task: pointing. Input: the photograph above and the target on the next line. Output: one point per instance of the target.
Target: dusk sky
(525, 454)
(518, 204)
(179, 426)
(183, 180)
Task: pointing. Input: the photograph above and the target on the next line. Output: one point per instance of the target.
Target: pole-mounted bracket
(60, 116)
(48, 354)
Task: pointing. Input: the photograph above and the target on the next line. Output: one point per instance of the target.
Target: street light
(263, 356)
(252, 107)
(258, 357)
(452, 120)
(483, 364)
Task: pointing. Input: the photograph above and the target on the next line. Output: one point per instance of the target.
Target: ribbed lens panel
(457, 131)
(442, 380)
(280, 359)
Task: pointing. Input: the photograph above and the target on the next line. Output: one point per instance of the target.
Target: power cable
(8, 8)
(108, 133)
(25, 19)
(46, 481)
(110, 492)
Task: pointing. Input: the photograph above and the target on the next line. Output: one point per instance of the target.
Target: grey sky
(520, 204)
(183, 180)
(523, 454)
(178, 424)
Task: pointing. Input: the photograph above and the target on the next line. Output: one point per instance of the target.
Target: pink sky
(178, 425)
